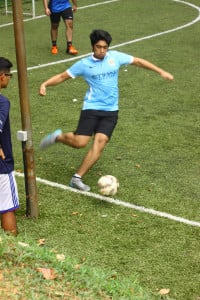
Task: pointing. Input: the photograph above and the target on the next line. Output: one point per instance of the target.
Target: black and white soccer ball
(108, 185)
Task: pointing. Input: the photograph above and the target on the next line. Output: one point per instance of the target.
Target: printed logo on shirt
(111, 62)
(104, 76)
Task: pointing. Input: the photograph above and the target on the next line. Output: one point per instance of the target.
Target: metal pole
(28, 152)
(33, 8)
(6, 6)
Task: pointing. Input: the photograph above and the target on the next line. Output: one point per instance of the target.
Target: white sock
(77, 175)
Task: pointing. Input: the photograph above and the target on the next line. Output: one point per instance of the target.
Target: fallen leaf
(23, 244)
(138, 166)
(77, 267)
(74, 213)
(114, 276)
(83, 259)
(164, 291)
(41, 242)
(60, 257)
(47, 273)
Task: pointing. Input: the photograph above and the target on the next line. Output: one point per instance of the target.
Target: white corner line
(43, 16)
(197, 19)
(150, 211)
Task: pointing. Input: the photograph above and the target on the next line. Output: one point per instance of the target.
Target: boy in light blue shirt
(99, 114)
(90, 69)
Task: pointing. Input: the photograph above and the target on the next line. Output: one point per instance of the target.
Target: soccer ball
(108, 185)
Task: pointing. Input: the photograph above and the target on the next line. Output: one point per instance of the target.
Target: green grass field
(154, 151)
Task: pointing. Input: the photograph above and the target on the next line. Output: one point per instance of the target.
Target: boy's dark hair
(100, 35)
(5, 64)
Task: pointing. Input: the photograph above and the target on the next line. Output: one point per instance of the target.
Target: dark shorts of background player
(66, 14)
(97, 121)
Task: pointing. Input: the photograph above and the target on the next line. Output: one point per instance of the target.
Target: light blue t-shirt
(58, 5)
(102, 78)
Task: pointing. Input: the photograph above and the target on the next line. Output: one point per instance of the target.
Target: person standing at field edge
(56, 9)
(100, 108)
(9, 201)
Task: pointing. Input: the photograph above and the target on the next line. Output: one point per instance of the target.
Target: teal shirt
(101, 76)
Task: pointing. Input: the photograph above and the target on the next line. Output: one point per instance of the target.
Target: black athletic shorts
(97, 121)
(66, 14)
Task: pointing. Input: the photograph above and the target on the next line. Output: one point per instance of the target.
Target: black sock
(53, 43)
(69, 44)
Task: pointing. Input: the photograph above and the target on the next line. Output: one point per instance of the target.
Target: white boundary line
(116, 201)
(108, 199)
(126, 43)
(81, 7)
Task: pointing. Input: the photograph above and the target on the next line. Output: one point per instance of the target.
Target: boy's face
(4, 78)
(100, 49)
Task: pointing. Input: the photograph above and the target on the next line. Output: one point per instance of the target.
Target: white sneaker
(78, 184)
(50, 139)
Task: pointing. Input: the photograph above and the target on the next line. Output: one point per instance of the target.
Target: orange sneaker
(54, 50)
(72, 50)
